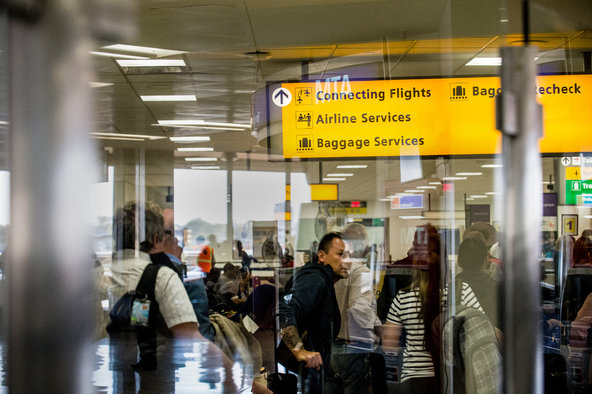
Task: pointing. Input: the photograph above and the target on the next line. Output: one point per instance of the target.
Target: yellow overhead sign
(324, 192)
(578, 173)
(456, 116)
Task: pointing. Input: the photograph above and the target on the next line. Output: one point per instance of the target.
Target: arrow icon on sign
(281, 94)
(281, 97)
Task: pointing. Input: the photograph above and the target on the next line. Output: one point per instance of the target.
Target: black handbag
(284, 383)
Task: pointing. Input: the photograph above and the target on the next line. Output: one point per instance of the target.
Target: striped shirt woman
(405, 311)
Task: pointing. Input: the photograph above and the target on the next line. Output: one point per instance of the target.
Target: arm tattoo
(291, 337)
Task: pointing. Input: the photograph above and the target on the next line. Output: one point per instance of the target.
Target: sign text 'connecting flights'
(339, 117)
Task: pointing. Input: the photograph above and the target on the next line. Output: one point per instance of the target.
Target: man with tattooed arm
(312, 320)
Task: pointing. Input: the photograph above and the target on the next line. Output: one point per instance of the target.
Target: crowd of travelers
(322, 323)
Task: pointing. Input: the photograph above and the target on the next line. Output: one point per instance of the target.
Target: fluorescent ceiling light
(333, 179)
(426, 187)
(154, 52)
(194, 138)
(414, 191)
(454, 178)
(352, 166)
(478, 196)
(99, 84)
(196, 149)
(170, 97)
(492, 166)
(339, 175)
(411, 217)
(119, 138)
(485, 61)
(205, 167)
(435, 183)
(468, 173)
(384, 199)
(152, 63)
(492, 193)
(201, 159)
(121, 135)
(117, 55)
(201, 123)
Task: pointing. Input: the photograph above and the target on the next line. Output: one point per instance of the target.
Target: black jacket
(311, 306)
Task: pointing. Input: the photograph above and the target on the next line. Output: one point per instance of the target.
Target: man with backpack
(171, 312)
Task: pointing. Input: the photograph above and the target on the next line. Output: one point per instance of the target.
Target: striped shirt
(404, 311)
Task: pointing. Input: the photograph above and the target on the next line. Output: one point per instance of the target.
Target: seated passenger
(228, 287)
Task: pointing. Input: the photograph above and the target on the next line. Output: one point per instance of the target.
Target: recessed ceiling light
(117, 55)
(170, 97)
(152, 63)
(154, 52)
(491, 166)
(454, 178)
(194, 138)
(468, 173)
(411, 217)
(196, 149)
(201, 159)
(485, 61)
(352, 166)
(333, 179)
(339, 175)
(205, 167)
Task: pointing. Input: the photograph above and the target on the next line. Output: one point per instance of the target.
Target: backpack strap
(457, 325)
(147, 282)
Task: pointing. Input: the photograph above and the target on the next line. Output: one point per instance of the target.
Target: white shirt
(357, 305)
(172, 298)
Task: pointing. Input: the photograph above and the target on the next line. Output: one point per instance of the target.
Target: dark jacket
(486, 291)
(312, 308)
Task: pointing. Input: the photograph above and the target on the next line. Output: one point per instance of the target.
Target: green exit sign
(578, 192)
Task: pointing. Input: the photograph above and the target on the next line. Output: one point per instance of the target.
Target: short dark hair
(472, 253)
(124, 225)
(327, 240)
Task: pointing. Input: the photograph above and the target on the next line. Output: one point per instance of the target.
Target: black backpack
(122, 325)
(121, 313)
